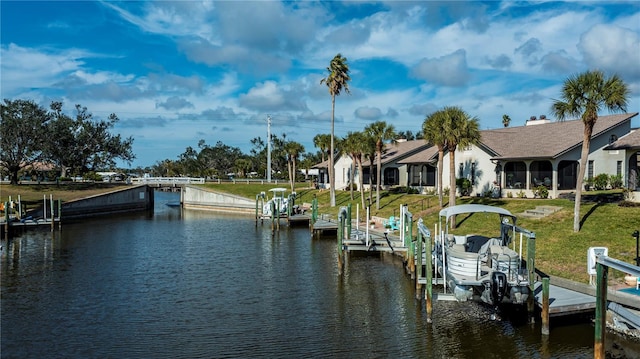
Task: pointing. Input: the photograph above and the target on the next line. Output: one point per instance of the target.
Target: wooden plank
(564, 301)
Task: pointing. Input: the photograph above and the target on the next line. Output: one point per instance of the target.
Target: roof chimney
(533, 121)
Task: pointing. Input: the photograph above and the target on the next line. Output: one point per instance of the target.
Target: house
(394, 171)
(541, 153)
(512, 160)
(629, 144)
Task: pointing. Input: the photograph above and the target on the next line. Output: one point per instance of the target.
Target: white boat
(279, 201)
(480, 266)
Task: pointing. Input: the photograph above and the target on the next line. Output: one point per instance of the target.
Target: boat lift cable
(388, 241)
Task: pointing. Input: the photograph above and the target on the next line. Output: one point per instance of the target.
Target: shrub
(600, 181)
(521, 194)
(464, 185)
(588, 184)
(541, 191)
(509, 195)
(615, 181)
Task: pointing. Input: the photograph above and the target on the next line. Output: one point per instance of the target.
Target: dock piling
(545, 306)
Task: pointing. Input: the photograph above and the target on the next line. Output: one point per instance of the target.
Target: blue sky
(178, 72)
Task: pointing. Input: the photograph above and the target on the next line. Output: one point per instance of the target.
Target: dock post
(601, 310)
(314, 209)
(419, 266)
(349, 221)
(428, 291)
(6, 220)
(256, 211)
(341, 221)
(59, 214)
(545, 306)
(53, 216)
(531, 268)
(273, 217)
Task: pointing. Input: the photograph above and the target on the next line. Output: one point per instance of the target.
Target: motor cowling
(498, 286)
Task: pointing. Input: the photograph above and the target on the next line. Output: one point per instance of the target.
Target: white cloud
(368, 113)
(449, 70)
(24, 67)
(612, 49)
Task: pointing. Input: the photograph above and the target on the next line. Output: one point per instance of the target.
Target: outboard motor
(499, 286)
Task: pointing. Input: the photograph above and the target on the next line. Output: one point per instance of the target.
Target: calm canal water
(191, 284)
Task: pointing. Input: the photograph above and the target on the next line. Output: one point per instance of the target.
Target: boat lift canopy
(473, 208)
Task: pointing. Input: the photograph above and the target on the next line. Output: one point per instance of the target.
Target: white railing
(167, 180)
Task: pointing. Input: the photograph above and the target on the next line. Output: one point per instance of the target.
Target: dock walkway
(568, 297)
(563, 301)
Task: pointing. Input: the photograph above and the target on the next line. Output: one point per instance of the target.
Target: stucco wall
(130, 199)
(200, 198)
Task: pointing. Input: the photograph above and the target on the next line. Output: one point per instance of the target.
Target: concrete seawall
(132, 199)
(204, 199)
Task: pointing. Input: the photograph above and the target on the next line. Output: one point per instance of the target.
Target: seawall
(131, 199)
(205, 199)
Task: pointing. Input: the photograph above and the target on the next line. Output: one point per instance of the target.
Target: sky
(176, 73)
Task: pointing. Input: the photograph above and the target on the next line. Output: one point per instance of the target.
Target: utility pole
(268, 148)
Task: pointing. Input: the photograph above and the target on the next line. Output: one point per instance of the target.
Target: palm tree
(337, 79)
(585, 95)
(433, 133)
(369, 151)
(380, 132)
(459, 129)
(322, 141)
(352, 145)
(293, 150)
(506, 120)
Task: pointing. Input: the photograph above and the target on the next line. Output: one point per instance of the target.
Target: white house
(519, 159)
(514, 160)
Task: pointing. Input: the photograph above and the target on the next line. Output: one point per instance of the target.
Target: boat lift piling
(343, 216)
(424, 236)
(603, 263)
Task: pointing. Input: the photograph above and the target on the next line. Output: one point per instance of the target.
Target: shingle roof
(631, 141)
(397, 150)
(546, 140)
(425, 156)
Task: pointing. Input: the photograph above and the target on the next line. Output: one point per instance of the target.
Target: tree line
(31, 134)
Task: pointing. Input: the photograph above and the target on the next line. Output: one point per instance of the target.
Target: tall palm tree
(293, 150)
(337, 80)
(433, 133)
(459, 130)
(585, 95)
(381, 132)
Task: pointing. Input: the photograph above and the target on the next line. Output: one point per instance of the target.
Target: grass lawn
(559, 251)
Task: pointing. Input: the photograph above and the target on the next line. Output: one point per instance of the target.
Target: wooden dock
(568, 297)
(299, 220)
(324, 226)
(377, 242)
(563, 301)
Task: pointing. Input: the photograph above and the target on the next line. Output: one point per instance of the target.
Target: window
(516, 174)
(619, 168)
(590, 169)
(473, 173)
(612, 139)
(391, 177)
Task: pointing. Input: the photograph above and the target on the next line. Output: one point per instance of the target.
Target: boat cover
(473, 208)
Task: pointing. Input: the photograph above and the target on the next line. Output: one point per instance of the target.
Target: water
(190, 284)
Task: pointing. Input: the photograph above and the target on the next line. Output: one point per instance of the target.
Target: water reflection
(187, 284)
